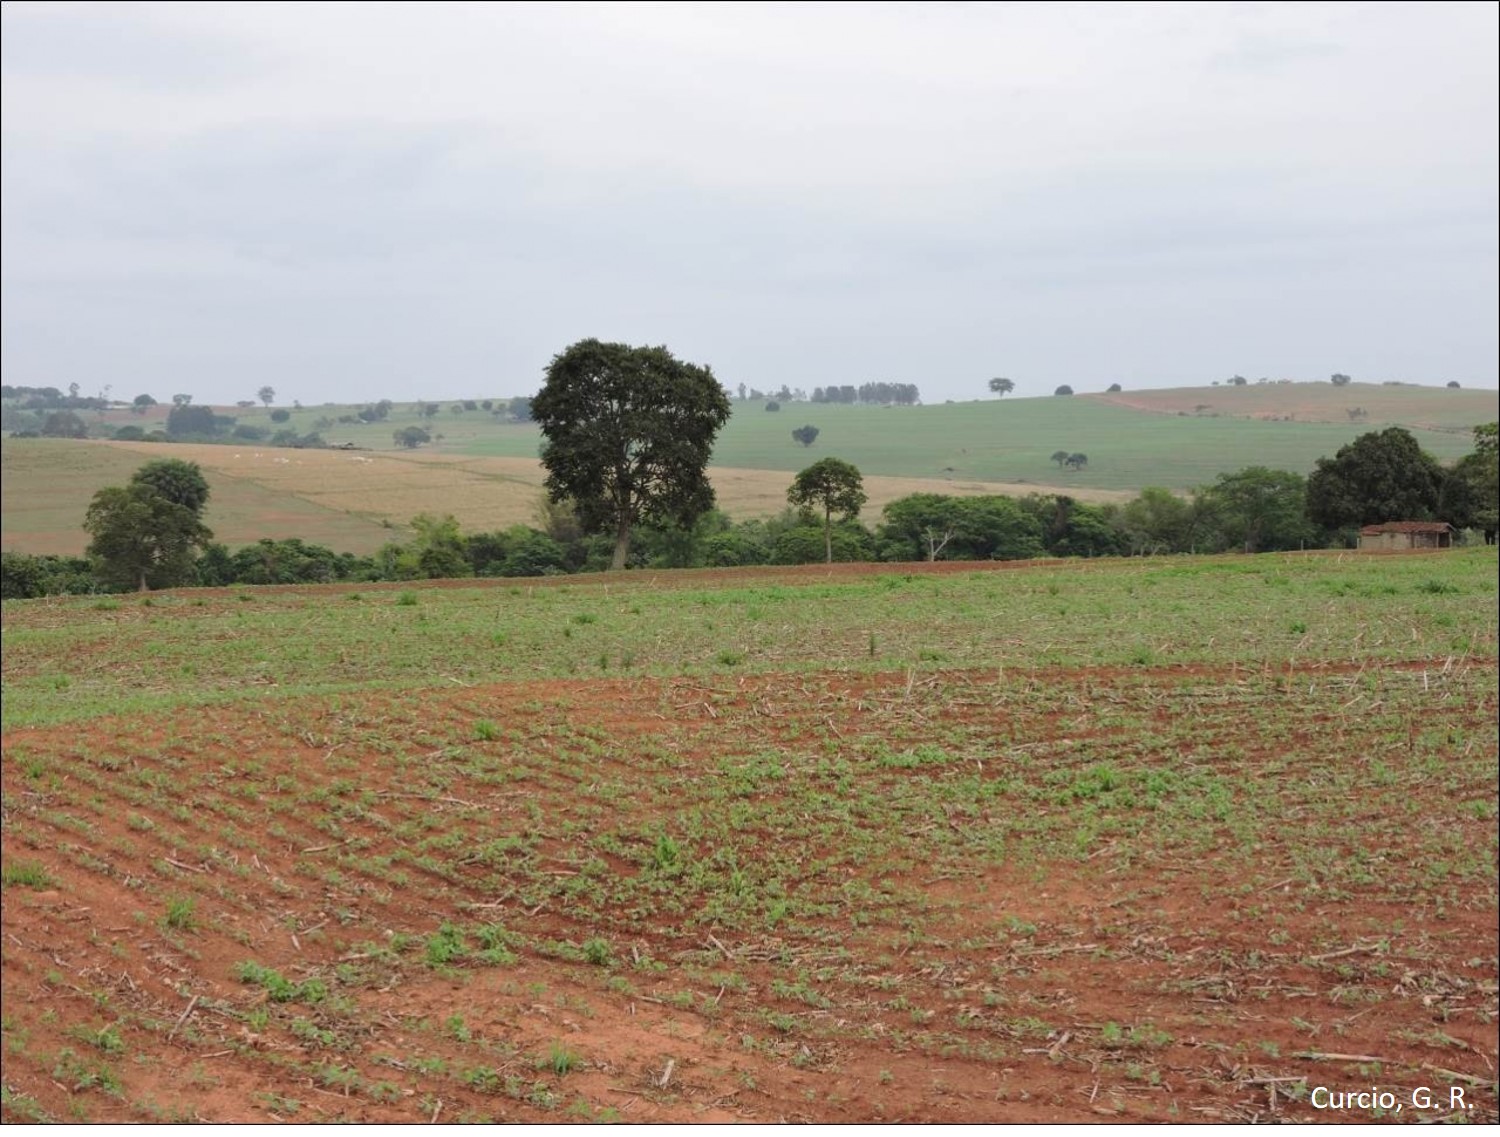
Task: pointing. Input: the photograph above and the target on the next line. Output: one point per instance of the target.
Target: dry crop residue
(1133, 894)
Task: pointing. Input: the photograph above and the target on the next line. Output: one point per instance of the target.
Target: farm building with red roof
(1407, 535)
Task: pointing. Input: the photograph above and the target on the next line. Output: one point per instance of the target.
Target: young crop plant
(179, 914)
(446, 946)
(560, 1060)
(278, 987)
(26, 874)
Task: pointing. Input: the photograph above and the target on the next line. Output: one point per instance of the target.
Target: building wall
(1405, 541)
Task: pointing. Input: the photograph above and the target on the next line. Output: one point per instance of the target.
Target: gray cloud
(101, 43)
(434, 199)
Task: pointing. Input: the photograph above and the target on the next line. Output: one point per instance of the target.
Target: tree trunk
(144, 587)
(622, 544)
(828, 533)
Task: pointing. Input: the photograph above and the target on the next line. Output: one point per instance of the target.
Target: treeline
(874, 394)
(146, 534)
(1000, 528)
(51, 399)
(915, 528)
(44, 412)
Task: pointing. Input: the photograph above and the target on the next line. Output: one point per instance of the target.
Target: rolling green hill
(1175, 438)
(1013, 440)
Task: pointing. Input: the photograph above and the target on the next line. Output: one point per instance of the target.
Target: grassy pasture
(1134, 439)
(1435, 408)
(1173, 839)
(484, 471)
(352, 502)
(205, 645)
(1012, 441)
(46, 485)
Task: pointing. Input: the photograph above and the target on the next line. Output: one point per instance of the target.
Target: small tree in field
(1063, 390)
(1060, 457)
(411, 437)
(1002, 386)
(266, 395)
(806, 435)
(1338, 379)
(146, 534)
(836, 486)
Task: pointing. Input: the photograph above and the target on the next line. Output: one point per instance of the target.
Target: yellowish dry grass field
(355, 501)
(47, 484)
(1427, 408)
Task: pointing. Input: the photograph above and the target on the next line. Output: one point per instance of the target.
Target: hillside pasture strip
(1435, 408)
(1012, 441)
(357, 501)
(49, 482)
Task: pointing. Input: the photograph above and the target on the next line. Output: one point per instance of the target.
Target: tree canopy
(1002, 386)
(187, 421)
(64, 424)
(629, 433)
(1471, 492)
(410, 437)
(835, 485)
(806, 435)
(1380, 476)
(181, 483)
(1261, 510)
(146, 533)
(926, 526)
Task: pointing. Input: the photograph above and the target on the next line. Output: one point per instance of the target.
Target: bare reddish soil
(1182, 969)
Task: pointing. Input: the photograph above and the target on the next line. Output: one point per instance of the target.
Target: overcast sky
(352, 202)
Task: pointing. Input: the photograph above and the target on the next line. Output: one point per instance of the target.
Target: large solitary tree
(629, 432)
(266, 395)
(836, 486)
(146, 534)
(1002, 386)
(1380, 476)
